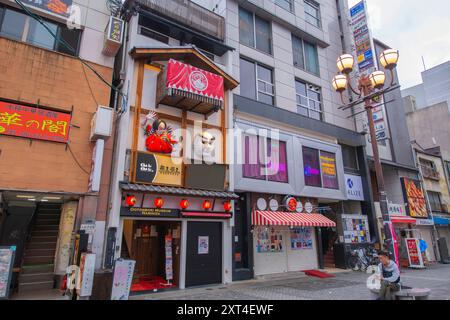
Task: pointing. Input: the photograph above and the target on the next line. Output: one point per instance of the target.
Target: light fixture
(52, 198)
(159, 202)
(130, 201)
(207, 205)
(44, 200)
(339, 83)
(184, 204)
(377, 78)
(389, 58)
(32, 199)
(24, 197)
(227, 206)
(345, 63)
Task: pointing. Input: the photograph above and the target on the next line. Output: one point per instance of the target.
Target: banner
(33, 123)
(190, 79)
(123, 276)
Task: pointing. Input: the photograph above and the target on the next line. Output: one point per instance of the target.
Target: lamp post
(369, 89)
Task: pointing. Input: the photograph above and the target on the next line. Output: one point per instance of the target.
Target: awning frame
(290, 219)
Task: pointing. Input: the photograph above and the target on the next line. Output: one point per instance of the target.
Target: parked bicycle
(365, 260)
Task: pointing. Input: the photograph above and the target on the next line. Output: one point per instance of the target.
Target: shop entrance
(204, 253)
(155, 246)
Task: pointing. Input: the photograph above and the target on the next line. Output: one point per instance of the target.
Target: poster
(169, 260)
(6, 266)
(122, 278)
(268, 240)
(203, 245)
(87, 268)
(355, 228)
(414, 255)
(414, 198)
(301, 238)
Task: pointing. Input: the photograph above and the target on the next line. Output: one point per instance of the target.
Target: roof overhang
(188, 54)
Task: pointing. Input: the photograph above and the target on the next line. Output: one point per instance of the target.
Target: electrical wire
(76, 160)
(89, 85)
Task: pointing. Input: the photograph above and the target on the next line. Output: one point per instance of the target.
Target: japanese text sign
(59, 7)
(33, 123)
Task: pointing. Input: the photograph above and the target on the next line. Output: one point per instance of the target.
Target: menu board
(356, 228)
(123, 276)
(6, 268)
(301, 238)
(268, 240)
(414, 255)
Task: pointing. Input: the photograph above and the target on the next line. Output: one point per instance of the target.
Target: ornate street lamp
(369, 89)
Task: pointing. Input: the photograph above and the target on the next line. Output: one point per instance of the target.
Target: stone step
(38, 239)
(38, 260)
(41, 245)
(36, 277)
(33, 252)
(46, 227)
(44, 233)
(35, 286)
(43, 268)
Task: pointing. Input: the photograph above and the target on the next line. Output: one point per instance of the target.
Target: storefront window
(252, 167)
(301, 238)
(329, 175)
(311, 166)
(277, 168)
(268, 240)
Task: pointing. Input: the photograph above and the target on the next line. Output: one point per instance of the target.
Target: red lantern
(227, 206)
(159, 202)
(206, 205)
(292, 204)
(184, 204)
(130, 201)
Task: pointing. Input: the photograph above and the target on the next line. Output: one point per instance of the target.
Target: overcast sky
(415, 27)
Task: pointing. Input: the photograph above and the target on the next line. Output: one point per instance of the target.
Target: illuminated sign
(59, 7)
(33, 123)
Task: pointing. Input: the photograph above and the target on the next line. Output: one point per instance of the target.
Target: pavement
(346, 285)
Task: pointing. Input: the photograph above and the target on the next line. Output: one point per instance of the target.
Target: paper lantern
(227, 206)
(184, 204)
(159, 202)
(207, 205)
(130, 201)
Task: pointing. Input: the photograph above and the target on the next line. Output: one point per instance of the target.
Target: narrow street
(347, 285)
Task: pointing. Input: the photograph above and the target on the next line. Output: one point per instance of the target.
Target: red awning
(403, 219)
(292, 219)
(206, 214)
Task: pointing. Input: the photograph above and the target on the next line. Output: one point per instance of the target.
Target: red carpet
(318, 274)
(150, 284)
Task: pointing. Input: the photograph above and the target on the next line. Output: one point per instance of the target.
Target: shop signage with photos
(6, 268)
(414, 255)
(356, 228)
(122, 279)
(414, 198)
(33, 123)
(301, 238)
(354, 187)
(149, 212)
(203, 245)
(169, 259)
(58, 7)
(158, 169)
(268, 240)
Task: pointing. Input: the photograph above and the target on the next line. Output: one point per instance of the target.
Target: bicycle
(364, 260)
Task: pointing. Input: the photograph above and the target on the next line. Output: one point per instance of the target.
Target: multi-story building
(50, 187)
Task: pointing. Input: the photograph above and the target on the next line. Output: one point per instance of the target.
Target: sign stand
(7, 255)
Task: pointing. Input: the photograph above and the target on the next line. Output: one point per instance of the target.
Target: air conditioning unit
(113, 36)
(102, 122)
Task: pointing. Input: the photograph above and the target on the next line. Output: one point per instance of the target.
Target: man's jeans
(386, 290)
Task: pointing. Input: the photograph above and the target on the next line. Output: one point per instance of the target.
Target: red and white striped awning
(291, 219)
(403, 219)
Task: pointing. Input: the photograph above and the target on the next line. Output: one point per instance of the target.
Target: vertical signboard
(169, 260)
(6, 268)
(123, 276)
(414, 255)
(87, 268)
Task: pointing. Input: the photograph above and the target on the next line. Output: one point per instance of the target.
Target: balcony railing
(189, 14)
(430, 173)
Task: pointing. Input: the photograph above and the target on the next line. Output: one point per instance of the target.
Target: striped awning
(403, 219)
(291, 219)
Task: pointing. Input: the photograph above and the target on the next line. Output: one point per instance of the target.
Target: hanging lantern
(159, 202)
(130, 201)
(184, 204)
(206, 205)
(227, 206)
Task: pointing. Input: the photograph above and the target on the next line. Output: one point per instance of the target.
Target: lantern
(130, 201)
(339, 83)
(377, 78)
(207, 205)
(345, 63)
(389, 58)
(159, 202)
(184, 204)
(227, 206)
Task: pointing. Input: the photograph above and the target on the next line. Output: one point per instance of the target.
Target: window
(312, 13)
(285, 4)
(349, 158)
(428, 169)
(305, 55)
(153, 35)
(256, 82)
(435, 201)
(265, 159)
(18, 26)
(309, 100)
(254, 31)
(320, 168)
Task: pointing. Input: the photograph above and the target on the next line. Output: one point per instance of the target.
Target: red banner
(187, 78)
(34, 123)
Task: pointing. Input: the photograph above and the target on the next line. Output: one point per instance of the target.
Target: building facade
(54, 176)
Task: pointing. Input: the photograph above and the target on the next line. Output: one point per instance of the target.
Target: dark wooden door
(204, 253)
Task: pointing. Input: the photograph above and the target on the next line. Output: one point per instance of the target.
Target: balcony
(190, 15)
(430, 173)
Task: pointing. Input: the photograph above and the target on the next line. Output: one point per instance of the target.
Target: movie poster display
(268, 240)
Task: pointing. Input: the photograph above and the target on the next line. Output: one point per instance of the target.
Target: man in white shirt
(390, 276)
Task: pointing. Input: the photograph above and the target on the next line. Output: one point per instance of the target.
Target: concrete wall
(29, 74)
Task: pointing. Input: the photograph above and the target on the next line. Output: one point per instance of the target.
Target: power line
(76, 160)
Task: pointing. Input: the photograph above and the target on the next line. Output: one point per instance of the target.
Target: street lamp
(369, 89)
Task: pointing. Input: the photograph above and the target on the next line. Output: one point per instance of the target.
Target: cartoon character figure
(205, 147)
(159, 134)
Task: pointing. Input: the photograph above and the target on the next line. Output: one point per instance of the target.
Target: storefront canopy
(403, 219)
(441, 221)
(277, 218)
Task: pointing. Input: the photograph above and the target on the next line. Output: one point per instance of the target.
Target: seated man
(390, 276)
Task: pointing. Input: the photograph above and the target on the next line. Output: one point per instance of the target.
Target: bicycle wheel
(353, 263)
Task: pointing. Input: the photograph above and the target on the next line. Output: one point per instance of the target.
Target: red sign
(415, 258)
(187, 78)
(33, 123)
